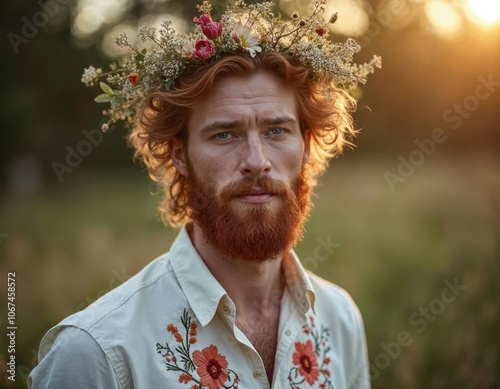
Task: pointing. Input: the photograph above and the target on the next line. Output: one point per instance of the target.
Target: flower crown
(242, 28)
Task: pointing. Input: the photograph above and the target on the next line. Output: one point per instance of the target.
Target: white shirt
(172, 325)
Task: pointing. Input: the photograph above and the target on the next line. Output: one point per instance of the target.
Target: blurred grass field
(72, 242)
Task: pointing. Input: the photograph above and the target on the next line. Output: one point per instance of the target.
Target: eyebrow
(231, 124)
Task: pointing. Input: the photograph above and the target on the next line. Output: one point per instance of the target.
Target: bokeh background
(413, 211)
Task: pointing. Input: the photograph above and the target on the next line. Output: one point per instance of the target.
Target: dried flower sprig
(242, 28)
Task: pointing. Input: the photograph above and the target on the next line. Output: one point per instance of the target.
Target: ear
(307, 146)
(178, 154)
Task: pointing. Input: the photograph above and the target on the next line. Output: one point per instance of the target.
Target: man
(237, 140)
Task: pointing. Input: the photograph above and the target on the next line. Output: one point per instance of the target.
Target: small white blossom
(90, 75)
(122, 40)
(146, 32)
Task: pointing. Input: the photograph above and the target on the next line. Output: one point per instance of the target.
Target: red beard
(250, 232)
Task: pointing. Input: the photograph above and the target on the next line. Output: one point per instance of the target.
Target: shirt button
(257, 374)
(288, 333)
(226, 309)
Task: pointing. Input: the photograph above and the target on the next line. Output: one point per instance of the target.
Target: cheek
(210, 166)
(292, 158)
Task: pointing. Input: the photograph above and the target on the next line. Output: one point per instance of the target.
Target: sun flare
(485, 11)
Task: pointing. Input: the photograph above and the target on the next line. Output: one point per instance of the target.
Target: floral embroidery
(305, 358)
(210, 366)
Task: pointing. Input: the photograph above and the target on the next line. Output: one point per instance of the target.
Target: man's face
(244, 165)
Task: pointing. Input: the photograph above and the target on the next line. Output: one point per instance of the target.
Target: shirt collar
(204, 292)
(298, 283)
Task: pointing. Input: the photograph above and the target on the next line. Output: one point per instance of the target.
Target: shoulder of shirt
(67, 363)
(117, 299)
(333, 299)
(114, 313)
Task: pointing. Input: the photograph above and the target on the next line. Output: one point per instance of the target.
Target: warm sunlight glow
(352, 20)
(443, 18)
(91, 15)
(486, 11)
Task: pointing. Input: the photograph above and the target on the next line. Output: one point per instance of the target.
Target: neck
(254, 287)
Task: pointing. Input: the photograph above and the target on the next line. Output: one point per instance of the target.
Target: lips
(256, 191)
(253, 190)
(256, 195)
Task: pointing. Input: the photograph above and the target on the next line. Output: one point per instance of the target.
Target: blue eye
(277, 131)
(222, 135)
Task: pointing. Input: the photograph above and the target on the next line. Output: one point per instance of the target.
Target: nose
(254, 160)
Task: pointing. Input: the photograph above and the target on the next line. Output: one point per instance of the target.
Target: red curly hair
(323, 109)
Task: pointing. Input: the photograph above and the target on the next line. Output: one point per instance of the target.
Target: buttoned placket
(291, 321)
(258, 370)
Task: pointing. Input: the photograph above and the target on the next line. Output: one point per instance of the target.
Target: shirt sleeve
(361, 379)
(71, 358)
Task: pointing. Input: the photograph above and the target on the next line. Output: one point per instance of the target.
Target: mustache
(264, 183)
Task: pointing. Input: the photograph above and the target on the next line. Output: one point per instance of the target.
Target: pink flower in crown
(204, 49)
(203, 19)
(210, 29)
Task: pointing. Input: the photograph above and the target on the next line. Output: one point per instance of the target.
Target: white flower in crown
(186, 48)
(248, 39)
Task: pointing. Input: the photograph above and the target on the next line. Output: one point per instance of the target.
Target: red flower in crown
(320, 31)
(134, 78)
(210, 29)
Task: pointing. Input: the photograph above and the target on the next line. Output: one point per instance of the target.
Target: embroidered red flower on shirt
(185, 378)
(305, 358)
(311, 363)
(211, 367)
(192, 332)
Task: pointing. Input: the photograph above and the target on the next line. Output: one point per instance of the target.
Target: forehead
(248, 98)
